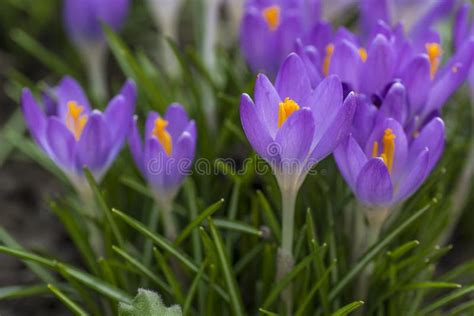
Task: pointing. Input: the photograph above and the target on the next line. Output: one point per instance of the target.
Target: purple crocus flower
(389, 57)
(269, 29)
(72, 134)
(293, 126)
(388, 166)
(83, 18)
(166, 155)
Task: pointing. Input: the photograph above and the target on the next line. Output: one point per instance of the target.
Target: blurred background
(34, 48)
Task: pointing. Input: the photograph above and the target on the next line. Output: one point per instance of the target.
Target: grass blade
(73, 307)
(345, 310)
(229, 277)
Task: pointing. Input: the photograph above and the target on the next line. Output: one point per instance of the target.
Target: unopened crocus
(72, 134)
(165, 157)
(269, 29)
(83, 21)
(388, 166)
(293, 127)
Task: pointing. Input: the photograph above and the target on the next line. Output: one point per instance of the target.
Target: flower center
(388, 152)
(271, 15)
(162, 135)
(75, 122)
(363, 54)
(327, 58)
(434, 53)
(287, 108)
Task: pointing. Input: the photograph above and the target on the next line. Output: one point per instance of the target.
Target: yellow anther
(75, 122)
(388, 153)
(434, 52)
(363, 54)
(162, 135)
(271, 15)
(327, 58)
(287, 108)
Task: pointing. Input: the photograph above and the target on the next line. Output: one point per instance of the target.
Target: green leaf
(229, 277)
(428, 310)
(282, 284)
(372, 252)
(192, 289)
(169, 275)
(11, 292)
(237, 226)
(104, 207)
(403, 249)
(268, 212)
(430, 285)
(205, 214)
(86, 279)
(345, 310)
(140, 268)
(73, 307)
(37, 50)
(43, 274)
(148, 303)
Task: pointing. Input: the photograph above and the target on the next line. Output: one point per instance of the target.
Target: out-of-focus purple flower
(389, 57)
(388, 166)
(464, 28)
(83, 18)
(269, 29)
(417, 16)
(293, 126)
(166, 155)
(72, 134)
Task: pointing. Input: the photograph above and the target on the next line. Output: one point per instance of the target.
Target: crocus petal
(345, 62)
(118, 115)
(451, 78)
(394, 104)
(135, 144)
(320, 35)
(311, 59)
(371, 12)
(374, 186)
(461, 25)
(416, 79)
(35, 118)
(177, 120)
(364, 119)
(432, 136)
(154, 162)
(292, 80)
(325, 102)
(337, 131)
(257, 43)
(401, 144)
(350, 159)
(413, 177)
(438, 10)
(295, 136)
(290, 28)
(93, 148)
(150, 124)
(61, 143)
(183, 158)
(267, 101)
(129, 91)
(256, 132)
(378, 68)
(69, 90)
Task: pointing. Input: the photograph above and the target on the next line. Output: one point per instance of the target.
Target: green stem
(94, 56)
(285, 254)
(169, 224)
